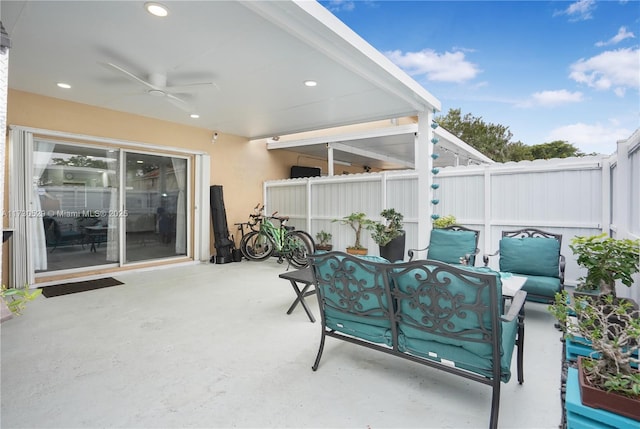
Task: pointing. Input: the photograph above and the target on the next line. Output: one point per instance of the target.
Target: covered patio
(220, 351)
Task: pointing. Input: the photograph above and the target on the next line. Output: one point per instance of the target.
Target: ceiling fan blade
(188, 86)
(132, 76)
(178, 102)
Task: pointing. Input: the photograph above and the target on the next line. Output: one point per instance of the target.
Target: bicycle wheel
(300, 246)
(256, 246)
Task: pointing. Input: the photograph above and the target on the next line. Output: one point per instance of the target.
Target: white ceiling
(257, 53)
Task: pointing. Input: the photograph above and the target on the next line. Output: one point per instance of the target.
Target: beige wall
(236, 164)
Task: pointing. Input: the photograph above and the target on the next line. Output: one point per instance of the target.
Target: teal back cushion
(533, 256)
(441, 307)
(449, 246)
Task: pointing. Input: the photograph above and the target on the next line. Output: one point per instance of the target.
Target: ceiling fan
(156, 85)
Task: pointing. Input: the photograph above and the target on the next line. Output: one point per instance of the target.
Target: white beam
(372, 155)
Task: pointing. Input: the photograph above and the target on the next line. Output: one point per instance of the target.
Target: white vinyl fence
(573, 197)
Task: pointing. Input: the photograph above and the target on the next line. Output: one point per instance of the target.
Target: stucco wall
(239, 166)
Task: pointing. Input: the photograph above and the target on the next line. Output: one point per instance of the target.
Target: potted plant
(389, 235)
(324, 241)
(15, 300)
(444, 221)
(356, 221)
(607, 378)
(606, 260)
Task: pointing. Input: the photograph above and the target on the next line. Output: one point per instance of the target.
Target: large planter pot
(613, 402)
(356, 251)
(582, 416)
(394, 250)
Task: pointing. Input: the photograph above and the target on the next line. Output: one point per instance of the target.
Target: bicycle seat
(289, 228)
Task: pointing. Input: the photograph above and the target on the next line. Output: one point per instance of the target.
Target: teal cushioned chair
(535, 254)
(454, 244)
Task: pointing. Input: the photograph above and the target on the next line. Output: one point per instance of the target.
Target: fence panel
(564, 196)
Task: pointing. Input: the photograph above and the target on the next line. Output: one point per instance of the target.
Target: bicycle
(265, 239)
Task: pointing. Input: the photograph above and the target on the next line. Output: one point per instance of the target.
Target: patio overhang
(256, 54)
(386, 148)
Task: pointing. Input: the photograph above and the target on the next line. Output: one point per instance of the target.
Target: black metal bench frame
(436, 290)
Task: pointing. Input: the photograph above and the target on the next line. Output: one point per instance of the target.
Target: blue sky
(548, 70)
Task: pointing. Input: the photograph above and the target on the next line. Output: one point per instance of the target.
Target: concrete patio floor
(211, 346)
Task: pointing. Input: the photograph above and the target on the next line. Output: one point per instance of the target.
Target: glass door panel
(76, 193)
(155, 206)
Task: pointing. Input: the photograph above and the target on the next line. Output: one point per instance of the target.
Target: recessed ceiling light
(63, 85)
(156, 9)
(140, 161)
(310, 83)
(194, 116)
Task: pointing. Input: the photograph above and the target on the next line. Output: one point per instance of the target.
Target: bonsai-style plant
(612, 328)
(384, 232)
(324, 241)
(356, 221)
(606, 260)
(389, 235)
(16, 298)
(444, 221)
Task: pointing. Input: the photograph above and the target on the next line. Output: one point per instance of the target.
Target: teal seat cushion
(461, 357)
(449, 246)
(530, 256)
(545, 286)
(358, 327)
(353, 296)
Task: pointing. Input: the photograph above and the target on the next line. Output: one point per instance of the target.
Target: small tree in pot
(606, 260)
(389, 235)
(612, 328)
(324, 241)
(356, 221)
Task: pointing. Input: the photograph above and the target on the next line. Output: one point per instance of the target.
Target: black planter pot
(394, 250)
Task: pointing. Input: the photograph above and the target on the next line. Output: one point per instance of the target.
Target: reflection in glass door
(155, 207)
(76, 198)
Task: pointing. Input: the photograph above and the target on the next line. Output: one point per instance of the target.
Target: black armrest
(516, 306)
(562, 266)
(411, 252)
(485, 257)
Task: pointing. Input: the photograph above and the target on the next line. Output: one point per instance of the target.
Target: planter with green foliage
(324, 241)
(389, 235)
(611, 326)
(16, 299)
(444, 221)
(606, 260)
(357, 221)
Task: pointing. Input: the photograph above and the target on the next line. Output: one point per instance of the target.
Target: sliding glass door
(98, 206)
(76, 199)
(155, 206)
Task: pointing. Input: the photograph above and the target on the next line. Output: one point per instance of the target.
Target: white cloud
(341, 5)
(578, 11)
(590, 138)
(555, 98)
(619, 69)
(447, 67)
(622, 34)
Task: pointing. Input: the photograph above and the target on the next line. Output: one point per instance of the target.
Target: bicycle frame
(275, 234)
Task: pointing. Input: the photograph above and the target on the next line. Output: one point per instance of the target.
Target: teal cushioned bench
(437, 314)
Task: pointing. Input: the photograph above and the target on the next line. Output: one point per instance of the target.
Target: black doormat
(67, 288)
